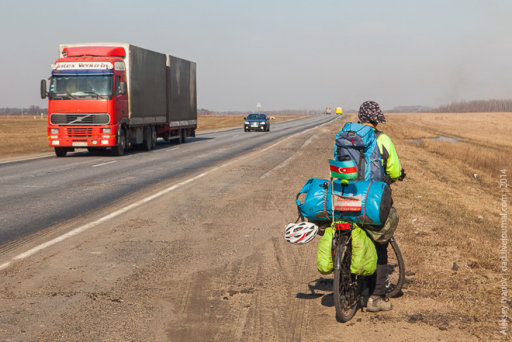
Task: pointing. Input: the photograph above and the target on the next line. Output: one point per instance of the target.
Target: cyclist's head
(370, 112)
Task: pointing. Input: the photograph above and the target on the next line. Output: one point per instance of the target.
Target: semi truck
(118, 96)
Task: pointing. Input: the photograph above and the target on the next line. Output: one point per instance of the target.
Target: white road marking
(88, 226)
(172, 149)
(24, 159)
(308, 141)
(107, 163)
(134, 205)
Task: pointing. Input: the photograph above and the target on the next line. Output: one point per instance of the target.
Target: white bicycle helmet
(299, 233)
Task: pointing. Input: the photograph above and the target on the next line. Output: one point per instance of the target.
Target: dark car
(257, 122)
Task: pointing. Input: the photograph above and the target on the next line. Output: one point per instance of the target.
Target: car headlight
(247, 122)
(54, 131)
(262, 123)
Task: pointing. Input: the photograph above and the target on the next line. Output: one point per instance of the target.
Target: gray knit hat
(370, 112)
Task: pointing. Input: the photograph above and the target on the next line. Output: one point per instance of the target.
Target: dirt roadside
(206, 262)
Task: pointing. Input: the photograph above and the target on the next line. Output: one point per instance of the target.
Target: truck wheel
(118, 150)
(183, 136)
(146, 143)
(153, 137)
(60, 151)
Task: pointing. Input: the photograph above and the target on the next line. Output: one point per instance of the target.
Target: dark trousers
(382, 253)
(381, 273)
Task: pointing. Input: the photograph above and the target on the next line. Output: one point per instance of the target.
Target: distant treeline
(455, 107)
(481, 106)
(32, 110)
(204, 111)
(477, 106)
(409, 109)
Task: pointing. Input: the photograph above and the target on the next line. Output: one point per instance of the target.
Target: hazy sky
(284, 54)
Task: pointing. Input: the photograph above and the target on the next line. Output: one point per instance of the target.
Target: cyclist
(370, 114)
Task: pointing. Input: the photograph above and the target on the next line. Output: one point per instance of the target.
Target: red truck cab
(117, 95)
(87, 98)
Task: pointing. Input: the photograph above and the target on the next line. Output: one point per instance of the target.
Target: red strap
(325, 196)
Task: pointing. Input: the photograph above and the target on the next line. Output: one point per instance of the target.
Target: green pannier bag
(364, 254)
(323, 253)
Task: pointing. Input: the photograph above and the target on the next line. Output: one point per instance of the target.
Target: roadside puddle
(441, 138)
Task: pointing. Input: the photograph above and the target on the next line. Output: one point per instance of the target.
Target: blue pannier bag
(361, 202)
(317, 204)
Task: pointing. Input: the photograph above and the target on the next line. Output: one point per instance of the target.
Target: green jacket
(390, 160)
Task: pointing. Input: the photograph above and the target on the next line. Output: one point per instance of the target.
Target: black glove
(402, 175)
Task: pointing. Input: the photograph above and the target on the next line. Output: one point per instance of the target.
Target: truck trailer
(118, 96)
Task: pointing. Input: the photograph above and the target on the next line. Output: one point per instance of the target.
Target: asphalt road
(36, 194)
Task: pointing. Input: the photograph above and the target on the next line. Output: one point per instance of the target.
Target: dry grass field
(23, 135)
(450, 207)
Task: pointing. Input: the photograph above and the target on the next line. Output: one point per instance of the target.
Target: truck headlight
(107, 130)
(54, 131)
(247, 122)
(262, 123)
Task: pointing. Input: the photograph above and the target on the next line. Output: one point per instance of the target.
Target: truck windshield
(81, 87)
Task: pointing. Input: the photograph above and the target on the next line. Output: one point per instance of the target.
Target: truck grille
(80, 119)
(76, 132)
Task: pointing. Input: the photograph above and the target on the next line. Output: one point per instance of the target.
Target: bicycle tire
(346, 297)
(395, 280)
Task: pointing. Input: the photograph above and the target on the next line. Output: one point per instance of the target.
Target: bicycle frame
(340, 229)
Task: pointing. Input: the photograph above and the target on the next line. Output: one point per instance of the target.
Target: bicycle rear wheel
(395, 270)
(346, 296)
